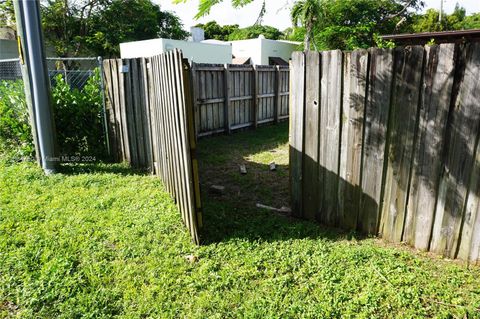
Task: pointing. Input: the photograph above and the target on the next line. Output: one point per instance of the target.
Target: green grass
(100, 241)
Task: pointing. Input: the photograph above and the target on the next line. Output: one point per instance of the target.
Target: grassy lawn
(101, 241)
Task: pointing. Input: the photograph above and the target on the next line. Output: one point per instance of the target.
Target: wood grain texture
(353, 108)
(402, 129)
(330, 110)
(257, 94)
(470, 237)
(312, 186)
(377, 110)
(457, 167)
(434, 107)
(297, 104)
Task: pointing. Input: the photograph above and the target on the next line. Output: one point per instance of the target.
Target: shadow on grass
(233, 214)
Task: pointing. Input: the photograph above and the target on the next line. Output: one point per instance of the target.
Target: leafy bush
(77, 112)
(78, 117)
(15, 133)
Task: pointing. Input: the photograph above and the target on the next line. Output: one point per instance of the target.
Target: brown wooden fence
(230, 97)
(386, 141)
(150, 111)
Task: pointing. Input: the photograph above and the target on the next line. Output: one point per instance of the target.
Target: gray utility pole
(36, 81)
(440, 17)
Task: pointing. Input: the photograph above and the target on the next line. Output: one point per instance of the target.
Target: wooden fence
(230, 97)
(386, 141)
(150, 112)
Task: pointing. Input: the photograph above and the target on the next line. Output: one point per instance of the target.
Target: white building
(195, 51)
(8, 44)
(264, 51)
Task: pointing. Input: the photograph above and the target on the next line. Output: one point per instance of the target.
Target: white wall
(259, 50)
(8, 49)
(248, 49)
(194, 51)
(274, 48)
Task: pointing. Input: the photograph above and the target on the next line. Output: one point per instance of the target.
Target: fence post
(255, 96)
(196, 109)
(104, 109)
(226, 83)
(276, 104)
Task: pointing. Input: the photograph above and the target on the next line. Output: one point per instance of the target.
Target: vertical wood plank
(255, 103)
(434, 108)
(330, 111)
(195, 93)
(470, 236)
(376, 118)
(311, 183)
(403, 124)
(146, 119)
(278, 90)
(227, 107)
(137, 113)
(113, 134)
(123, 112)
(457, 168)
(353, 109)
(297, 102)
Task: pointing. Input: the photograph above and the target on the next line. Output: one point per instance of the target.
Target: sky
(277, 11)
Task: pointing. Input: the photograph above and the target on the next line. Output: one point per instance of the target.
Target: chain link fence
(76, 72)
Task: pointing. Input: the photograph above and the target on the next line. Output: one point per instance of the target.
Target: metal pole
(441, 12)
(35, 75)
(102, 88)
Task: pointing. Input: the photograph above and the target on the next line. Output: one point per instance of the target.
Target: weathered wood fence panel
(229, 97)
(396, 138)
(151, 121)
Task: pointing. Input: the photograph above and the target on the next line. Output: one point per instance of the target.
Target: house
(195, 51)
(264, 51)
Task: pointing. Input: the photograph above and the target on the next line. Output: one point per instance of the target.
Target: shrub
(78, 117)
(77, 113)
(15, 133)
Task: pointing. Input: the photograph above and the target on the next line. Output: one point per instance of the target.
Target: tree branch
(405, 7)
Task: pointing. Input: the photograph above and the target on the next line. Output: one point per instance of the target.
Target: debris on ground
(283, 209)
(243, 169)
(272, 166)
(217, 189)
(191, 258)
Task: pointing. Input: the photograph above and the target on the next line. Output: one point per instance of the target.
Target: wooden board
(355, 76)
(311, 184)
(376, 119)
(330, 110)
(469, 248)
(297, 104)
(401, 135)
(457, 168)
(434, 107)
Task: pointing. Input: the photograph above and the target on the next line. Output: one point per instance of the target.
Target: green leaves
(15, 132)
(78, 117)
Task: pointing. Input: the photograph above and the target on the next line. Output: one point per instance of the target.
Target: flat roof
(428, 35)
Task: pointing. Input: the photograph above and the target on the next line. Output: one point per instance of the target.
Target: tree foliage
(131, 20)
(458, 20)
(254, 32)
(86, 27)
(204, 6)
(215, 31)
(350, 24)
(233, 32)
(306, 13)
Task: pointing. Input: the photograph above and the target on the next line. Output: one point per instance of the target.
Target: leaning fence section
(151, 125)
(385, 141)
(230, 97)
